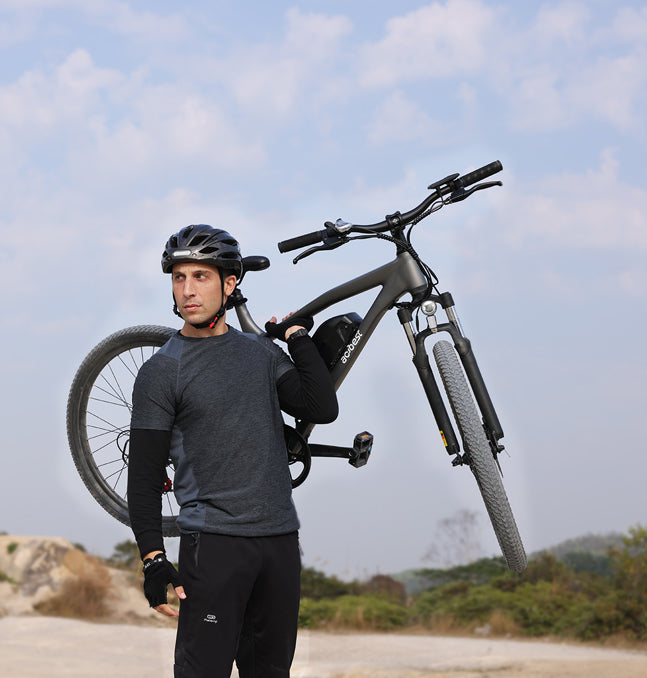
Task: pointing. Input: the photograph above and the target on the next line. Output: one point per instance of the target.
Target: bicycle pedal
(362, 446)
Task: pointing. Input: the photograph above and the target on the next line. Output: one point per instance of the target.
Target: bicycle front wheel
(481, 459)
(98, 419)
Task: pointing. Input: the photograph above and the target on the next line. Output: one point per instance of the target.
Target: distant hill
(588, 552)
(596, 544)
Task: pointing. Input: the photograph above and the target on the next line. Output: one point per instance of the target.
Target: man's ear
(229, 284)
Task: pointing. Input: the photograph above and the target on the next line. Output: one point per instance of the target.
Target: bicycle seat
(255, 263)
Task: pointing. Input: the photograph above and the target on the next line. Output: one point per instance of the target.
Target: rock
(36, 569)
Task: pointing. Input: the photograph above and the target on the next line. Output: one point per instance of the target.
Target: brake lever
(334, 244)
(459, 194)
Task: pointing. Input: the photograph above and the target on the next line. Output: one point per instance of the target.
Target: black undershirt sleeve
(308, 392)
(147, 459)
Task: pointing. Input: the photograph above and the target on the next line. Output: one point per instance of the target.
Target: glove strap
(159, 558)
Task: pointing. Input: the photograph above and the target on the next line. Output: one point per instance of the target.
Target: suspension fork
(464, 349)
(429, 383)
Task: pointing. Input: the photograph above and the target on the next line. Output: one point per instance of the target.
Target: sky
(122, 122)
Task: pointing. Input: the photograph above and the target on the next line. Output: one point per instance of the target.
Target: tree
(126, 555)
(456, 540)
(630, 562)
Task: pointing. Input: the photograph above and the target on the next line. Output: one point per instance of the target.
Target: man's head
(205, 264)
(200, 291)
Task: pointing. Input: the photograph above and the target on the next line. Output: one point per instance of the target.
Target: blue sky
(120, 123)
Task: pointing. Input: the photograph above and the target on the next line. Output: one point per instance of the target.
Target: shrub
(125, 556)
(386, 587)
(317, 586)
(315, 614)
(11, 547)
(352, 612)
(83, 597)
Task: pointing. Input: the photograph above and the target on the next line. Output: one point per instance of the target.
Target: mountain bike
(99, 403)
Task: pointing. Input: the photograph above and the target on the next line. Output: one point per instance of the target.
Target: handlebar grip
(481, 173)
(301, 241)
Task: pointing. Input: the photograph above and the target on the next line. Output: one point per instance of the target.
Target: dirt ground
(42, 647)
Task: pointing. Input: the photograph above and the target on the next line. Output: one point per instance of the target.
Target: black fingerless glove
(277, 330)
(158, 574)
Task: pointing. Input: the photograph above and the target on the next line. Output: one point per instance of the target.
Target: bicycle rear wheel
(98, 419)
(481, 460)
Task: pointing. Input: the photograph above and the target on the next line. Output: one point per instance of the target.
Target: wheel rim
(105, 418)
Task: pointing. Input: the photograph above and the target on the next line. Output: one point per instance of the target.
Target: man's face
(198, 291)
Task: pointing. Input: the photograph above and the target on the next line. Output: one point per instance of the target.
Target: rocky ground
(38, 568)
(133, 646)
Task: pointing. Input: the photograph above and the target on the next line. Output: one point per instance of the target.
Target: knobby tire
(98, 418)
(481, 459)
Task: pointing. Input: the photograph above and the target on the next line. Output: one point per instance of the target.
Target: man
(210, 399)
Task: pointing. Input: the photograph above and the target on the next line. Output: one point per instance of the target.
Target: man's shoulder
(165, 359)
(258, 342)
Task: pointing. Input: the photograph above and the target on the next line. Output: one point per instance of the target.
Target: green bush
(317, 585)
(352, 612)
(582, 597)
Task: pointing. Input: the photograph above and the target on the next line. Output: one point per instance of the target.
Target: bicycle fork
(463, 347)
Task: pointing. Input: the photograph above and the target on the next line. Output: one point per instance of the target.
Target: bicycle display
(98, 410)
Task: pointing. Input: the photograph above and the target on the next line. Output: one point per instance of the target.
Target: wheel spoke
(99, 411)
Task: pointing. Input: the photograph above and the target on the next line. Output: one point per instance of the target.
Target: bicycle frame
(397, 278)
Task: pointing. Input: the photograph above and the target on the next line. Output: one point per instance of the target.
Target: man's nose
(188, 289)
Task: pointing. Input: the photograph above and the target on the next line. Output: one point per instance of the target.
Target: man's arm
(307, 392)
(147, 459)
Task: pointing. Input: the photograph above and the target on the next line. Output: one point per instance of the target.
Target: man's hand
(287, 326)
(158, 574)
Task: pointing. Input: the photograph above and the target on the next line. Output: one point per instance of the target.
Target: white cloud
(112, 14)
(400, 119)
(38, 101)
(166, 125)
(107, 122)
(632, 282)
(613, 90)
(274, 79)
(593, 210)
(314, 36)
(567, 67)
(630, 25)
(437, 40)
(561, 26)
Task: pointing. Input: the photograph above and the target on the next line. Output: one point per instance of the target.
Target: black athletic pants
(242, 602)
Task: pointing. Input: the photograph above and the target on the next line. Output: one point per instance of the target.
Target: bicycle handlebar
(301, 241)
(481, 173)
(441, 188)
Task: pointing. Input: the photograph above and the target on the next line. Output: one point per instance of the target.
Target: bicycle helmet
(201, 242)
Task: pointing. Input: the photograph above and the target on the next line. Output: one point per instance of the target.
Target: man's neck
(200, 333)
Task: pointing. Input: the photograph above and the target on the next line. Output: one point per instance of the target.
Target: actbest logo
(351, 347)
